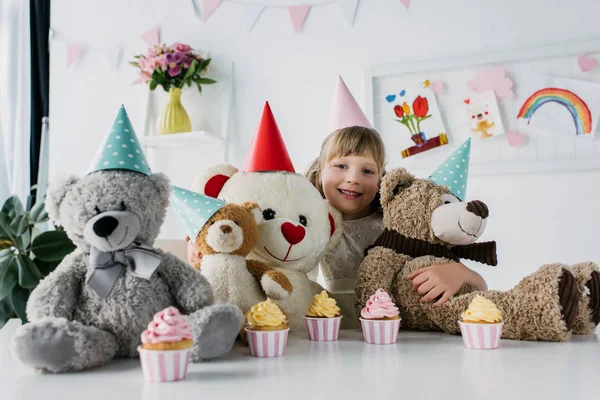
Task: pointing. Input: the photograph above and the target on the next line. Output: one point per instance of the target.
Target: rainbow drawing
(579, 110)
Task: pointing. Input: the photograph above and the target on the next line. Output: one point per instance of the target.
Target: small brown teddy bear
(224, 235)
(426, 224)
(224, 242)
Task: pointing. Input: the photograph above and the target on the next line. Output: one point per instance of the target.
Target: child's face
(350, 184)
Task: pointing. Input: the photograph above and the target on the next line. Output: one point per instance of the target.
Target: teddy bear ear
(255, 210)
(335, 225)
(393, 183)
(211, 181)
(163, 186)
(57, 190)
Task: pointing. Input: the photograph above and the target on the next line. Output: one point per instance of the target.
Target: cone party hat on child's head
(268, 151)
(454, 171)
(345, 111)
(194, 209)
(121, 149)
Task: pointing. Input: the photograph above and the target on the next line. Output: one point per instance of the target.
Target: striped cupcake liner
(267, 343)
(323, 329)
(164, 365)
(481, 336)
(380, 332)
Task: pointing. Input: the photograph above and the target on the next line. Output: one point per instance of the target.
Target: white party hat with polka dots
(194, 209)
(454, 171)
(121, 148)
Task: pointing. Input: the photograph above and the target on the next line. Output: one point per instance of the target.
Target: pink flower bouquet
(172, 67)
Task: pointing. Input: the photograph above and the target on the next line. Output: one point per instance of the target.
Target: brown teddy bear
(426, 224)
(224, 235)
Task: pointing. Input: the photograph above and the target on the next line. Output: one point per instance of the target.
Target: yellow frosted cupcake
(267, 329)
(323, 318)
(481, 324)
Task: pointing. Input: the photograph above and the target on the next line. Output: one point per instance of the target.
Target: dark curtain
(39, 17)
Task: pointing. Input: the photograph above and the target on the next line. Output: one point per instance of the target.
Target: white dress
(339, 267)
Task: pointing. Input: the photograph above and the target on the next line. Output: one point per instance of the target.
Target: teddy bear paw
(276, 285)
(214, 330)
(45, 345)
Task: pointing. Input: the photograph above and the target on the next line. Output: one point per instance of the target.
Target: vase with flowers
(173, 67)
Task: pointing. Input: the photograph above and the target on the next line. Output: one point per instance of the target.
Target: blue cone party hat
(194, 209)
(454, 171)
(121, 148)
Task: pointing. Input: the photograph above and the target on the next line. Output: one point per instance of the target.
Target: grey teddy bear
(101, 297)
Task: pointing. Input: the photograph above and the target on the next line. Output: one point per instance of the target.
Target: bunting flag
(253, 11)
(298, 15)
(209, 7)
(196, 9)
(348, 10)
(113, 57)
(152, 36)
(74, 53)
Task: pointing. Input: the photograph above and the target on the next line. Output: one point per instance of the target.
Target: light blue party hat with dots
(121, 148)
(194, 209)
(454, 171)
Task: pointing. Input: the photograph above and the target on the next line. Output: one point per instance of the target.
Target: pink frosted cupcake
(166, 347)
(380, 319)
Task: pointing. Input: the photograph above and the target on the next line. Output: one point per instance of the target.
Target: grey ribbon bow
(109, 266)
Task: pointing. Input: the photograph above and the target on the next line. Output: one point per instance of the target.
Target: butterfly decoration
(391, 97)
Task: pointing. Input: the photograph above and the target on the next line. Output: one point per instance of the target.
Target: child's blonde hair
(355, 141)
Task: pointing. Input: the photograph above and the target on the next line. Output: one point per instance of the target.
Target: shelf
(187, 139)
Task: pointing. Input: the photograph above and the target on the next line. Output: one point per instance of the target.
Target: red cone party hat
(268, 151)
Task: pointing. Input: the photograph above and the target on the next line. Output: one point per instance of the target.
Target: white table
(420, 365)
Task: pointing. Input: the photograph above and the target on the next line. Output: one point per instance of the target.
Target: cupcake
(323, 318)
(166, 347)
(380, 319)
(267, 330)
(481, 324)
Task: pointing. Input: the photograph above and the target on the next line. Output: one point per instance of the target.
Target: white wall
(535, 218)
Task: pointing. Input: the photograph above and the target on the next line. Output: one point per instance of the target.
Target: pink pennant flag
(298, 16)
(405, 3)
(74, 52)
(152, 37)
(209, 7)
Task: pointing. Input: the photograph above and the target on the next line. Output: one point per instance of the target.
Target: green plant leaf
(29, 276)
(24, 241)
(134, 63)
(13, 207)
(199, 87)
(8, 275)
(52, 246)
(153, 84)
(38, 213)
(206, 81)
(5, 232)
(6, 311)
(45, 267)
(18, 300)
(191, 70)
(19, 225)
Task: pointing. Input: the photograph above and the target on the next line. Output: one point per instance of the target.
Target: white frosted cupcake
(481, 324)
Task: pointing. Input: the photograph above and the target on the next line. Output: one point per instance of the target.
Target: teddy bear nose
(105, 226)
(292, 233)
(225, 229)
(478, 208)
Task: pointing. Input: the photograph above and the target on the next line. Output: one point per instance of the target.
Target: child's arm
(444, 280)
